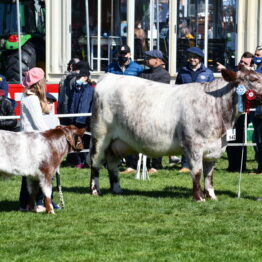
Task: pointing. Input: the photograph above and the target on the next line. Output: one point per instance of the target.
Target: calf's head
(73, 136)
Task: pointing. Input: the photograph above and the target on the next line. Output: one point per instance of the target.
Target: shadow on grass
(77, 190)
(168, 192)
(8, 206)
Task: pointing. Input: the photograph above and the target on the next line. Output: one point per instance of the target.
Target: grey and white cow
(132, 115)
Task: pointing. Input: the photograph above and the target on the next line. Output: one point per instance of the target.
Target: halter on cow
(132, 115)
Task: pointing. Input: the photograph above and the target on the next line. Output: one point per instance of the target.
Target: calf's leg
(208, 168)
(46, 186)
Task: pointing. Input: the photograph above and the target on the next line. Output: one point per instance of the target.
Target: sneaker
(129, 170)
(40, 209)
(184, 170)
(56, 206)
(82, 165)
(22, 209)
(152, 170)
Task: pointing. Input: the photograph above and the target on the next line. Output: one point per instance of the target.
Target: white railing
(245, 143)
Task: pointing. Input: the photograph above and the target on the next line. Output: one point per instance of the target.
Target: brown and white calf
(132, 115)
(37, 155)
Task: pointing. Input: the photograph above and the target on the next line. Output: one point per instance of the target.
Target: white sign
(231, 134)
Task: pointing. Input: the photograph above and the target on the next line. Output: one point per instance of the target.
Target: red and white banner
(16, 91)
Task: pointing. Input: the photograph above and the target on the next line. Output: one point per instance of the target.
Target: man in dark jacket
(257, 121)
(6, 109)
(156, 72)
(194, 71)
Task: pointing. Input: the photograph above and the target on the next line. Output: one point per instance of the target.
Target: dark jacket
(132, 69)
(80, 101)
(158, 74)
(63, 97)
(65, 92)
(4, 85)
(187, 75)
(6, 109)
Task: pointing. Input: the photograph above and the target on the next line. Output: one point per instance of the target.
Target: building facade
(94, 30)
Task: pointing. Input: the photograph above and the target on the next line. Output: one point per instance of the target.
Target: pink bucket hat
(33, 76)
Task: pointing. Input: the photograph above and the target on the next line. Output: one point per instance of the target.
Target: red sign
(16, 91)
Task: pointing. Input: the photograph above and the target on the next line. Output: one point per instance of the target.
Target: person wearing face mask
(257, 121)
(125, 66)
(80, 101)
(258, 59)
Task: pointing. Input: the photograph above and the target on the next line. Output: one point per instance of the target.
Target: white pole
(151, 19)
(131, 25)
(157, 20)
(19, 40)
(99, 23)
(87, 33)
(206, 35)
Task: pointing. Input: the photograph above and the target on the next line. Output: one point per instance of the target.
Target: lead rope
(59, 187)
(240, 173)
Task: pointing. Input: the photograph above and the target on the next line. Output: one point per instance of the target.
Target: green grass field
(153, 220)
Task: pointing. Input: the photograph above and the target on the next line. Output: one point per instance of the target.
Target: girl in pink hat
(33, 102)
(33, 105)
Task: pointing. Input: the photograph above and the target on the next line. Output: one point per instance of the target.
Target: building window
(208, 24)
(211, 28)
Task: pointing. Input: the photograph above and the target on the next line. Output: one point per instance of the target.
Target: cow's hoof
(116, 189)
(201, 200)
(95, 192)
(210, 194)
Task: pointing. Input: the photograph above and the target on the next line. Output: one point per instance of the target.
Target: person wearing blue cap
(124, 64)
(194, 71)
(155, 61)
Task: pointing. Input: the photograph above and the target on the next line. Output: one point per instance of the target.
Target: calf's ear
(80, 131)
(228, 75)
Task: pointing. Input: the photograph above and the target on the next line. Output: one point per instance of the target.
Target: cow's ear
(228, 75)
(253, 76)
